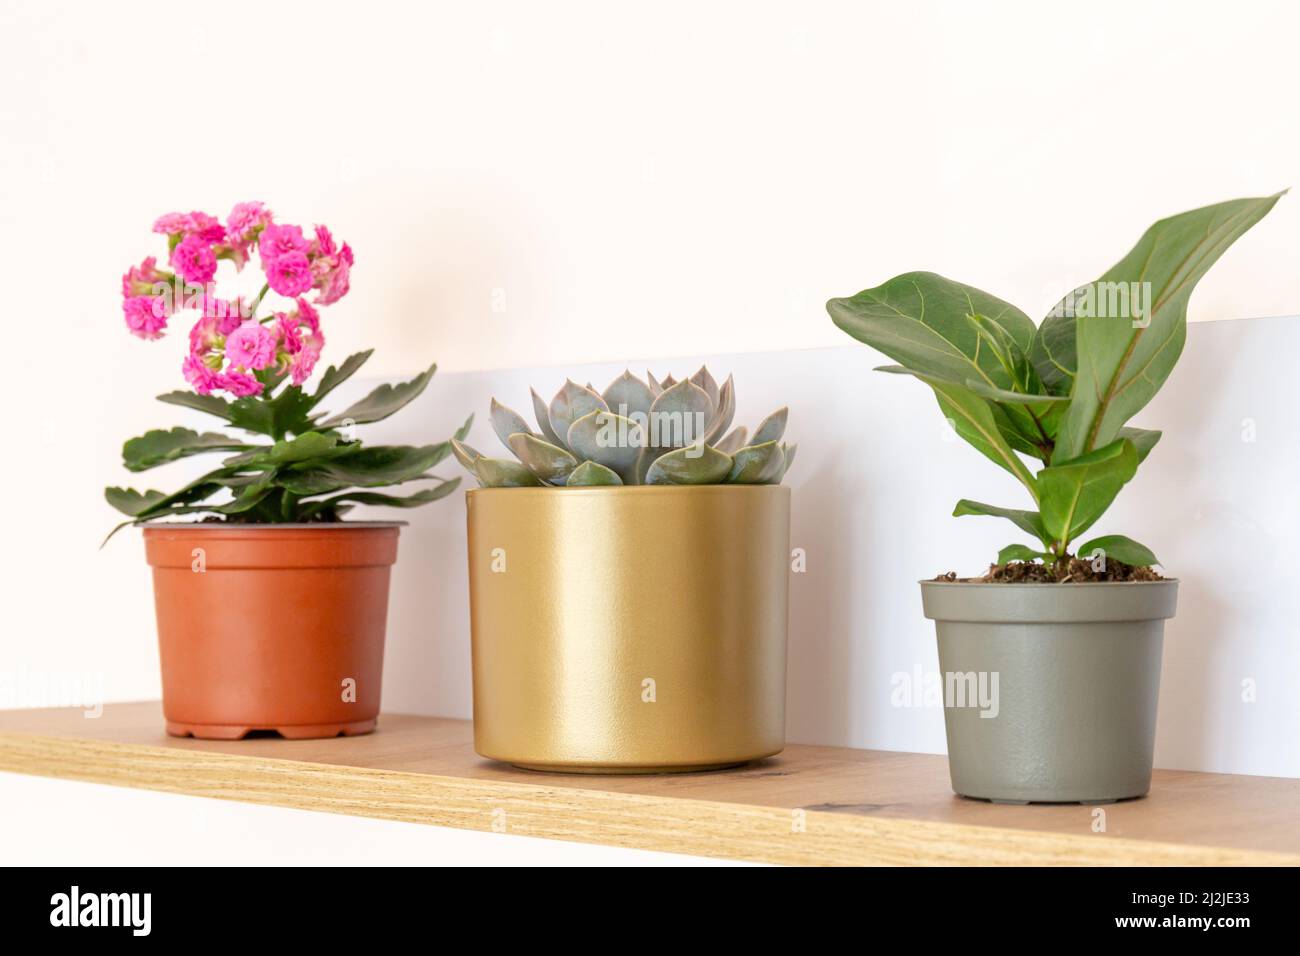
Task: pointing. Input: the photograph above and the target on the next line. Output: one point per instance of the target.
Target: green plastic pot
(1077, 681)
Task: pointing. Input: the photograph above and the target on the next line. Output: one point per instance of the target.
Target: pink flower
(145, 316)
(171, 223)
(289, 274)
(288, 335)
(323, 244)
(276, 241)
(308, 314)
(239, 384)
(250, 346)
(140, 280)
(300, 367)
(245, 220)
(208, 228)
(331, 275)
(194, 260)
(199, 375)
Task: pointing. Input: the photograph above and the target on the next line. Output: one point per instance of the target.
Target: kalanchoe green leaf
(548, 462)
(607, 439)
(628, 395)
(210, 404)
(334, 377)
(757, 465)
(1119, 548)
(308, 447)
(423, 497)
(734, 440)
(382, 402)
(506, 421)
(771, 428)
(157, 447)
(591, 473)
(570, 403)
(503, 473)
(694, 465)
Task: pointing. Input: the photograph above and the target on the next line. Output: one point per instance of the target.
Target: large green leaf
(157, 447)
(371, 467)
(308, 447)
(1143, 439)
(281, 415)
(1120, 548)
(1075, 494)
(923, 321)
(336, 376)
(146, 504)
(382, 402)
(1029, 522)
(312, 508)
(1122, 360)
(211, 404)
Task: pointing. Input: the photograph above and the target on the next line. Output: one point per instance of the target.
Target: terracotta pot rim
(629, 490)
(259, 527)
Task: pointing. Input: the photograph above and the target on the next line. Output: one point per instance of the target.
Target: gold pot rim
(626, 490)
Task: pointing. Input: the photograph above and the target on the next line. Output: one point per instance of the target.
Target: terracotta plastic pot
(1077, 667)
(639, 629)
(271, 627)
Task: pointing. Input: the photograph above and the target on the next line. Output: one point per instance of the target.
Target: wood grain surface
(810, 805)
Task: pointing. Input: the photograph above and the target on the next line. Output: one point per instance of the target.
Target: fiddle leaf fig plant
(1050, 404)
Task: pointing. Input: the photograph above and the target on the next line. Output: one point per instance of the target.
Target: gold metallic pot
(629, 630)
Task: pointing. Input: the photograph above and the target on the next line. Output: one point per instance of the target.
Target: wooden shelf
(810, 805)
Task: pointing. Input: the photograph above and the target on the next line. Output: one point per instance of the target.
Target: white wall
(631, 181)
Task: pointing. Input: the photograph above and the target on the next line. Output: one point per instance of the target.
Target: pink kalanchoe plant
(313, 469)
(266, 348)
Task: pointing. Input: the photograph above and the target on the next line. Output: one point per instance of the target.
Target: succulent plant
(634, 433)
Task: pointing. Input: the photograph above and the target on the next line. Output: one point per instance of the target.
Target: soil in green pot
(1075, 570)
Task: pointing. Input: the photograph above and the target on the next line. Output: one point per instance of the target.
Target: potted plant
(1071, 632)
(628, 580)
(271, 608)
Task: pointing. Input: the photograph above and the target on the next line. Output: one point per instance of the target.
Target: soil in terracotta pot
(1031, 572)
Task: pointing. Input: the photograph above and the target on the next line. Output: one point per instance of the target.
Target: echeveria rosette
(636, 432)
(1050, 403)
(294, 264)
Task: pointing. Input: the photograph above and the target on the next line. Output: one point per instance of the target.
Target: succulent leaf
(465, 454)
(571, 403)
(722, 414)
(734, 441)
(696, 465)
(757, 465)
(609, 440)
(627, 394)
(548, 462)
(503, 473)
(506, 422)
(788, 451)
(668, 383)
(655, 386)
(771, 428)
(543, 415)
(704, 380)
(592, 473)
(679, 416)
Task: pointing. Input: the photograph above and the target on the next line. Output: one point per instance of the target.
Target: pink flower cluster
(229, 344)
